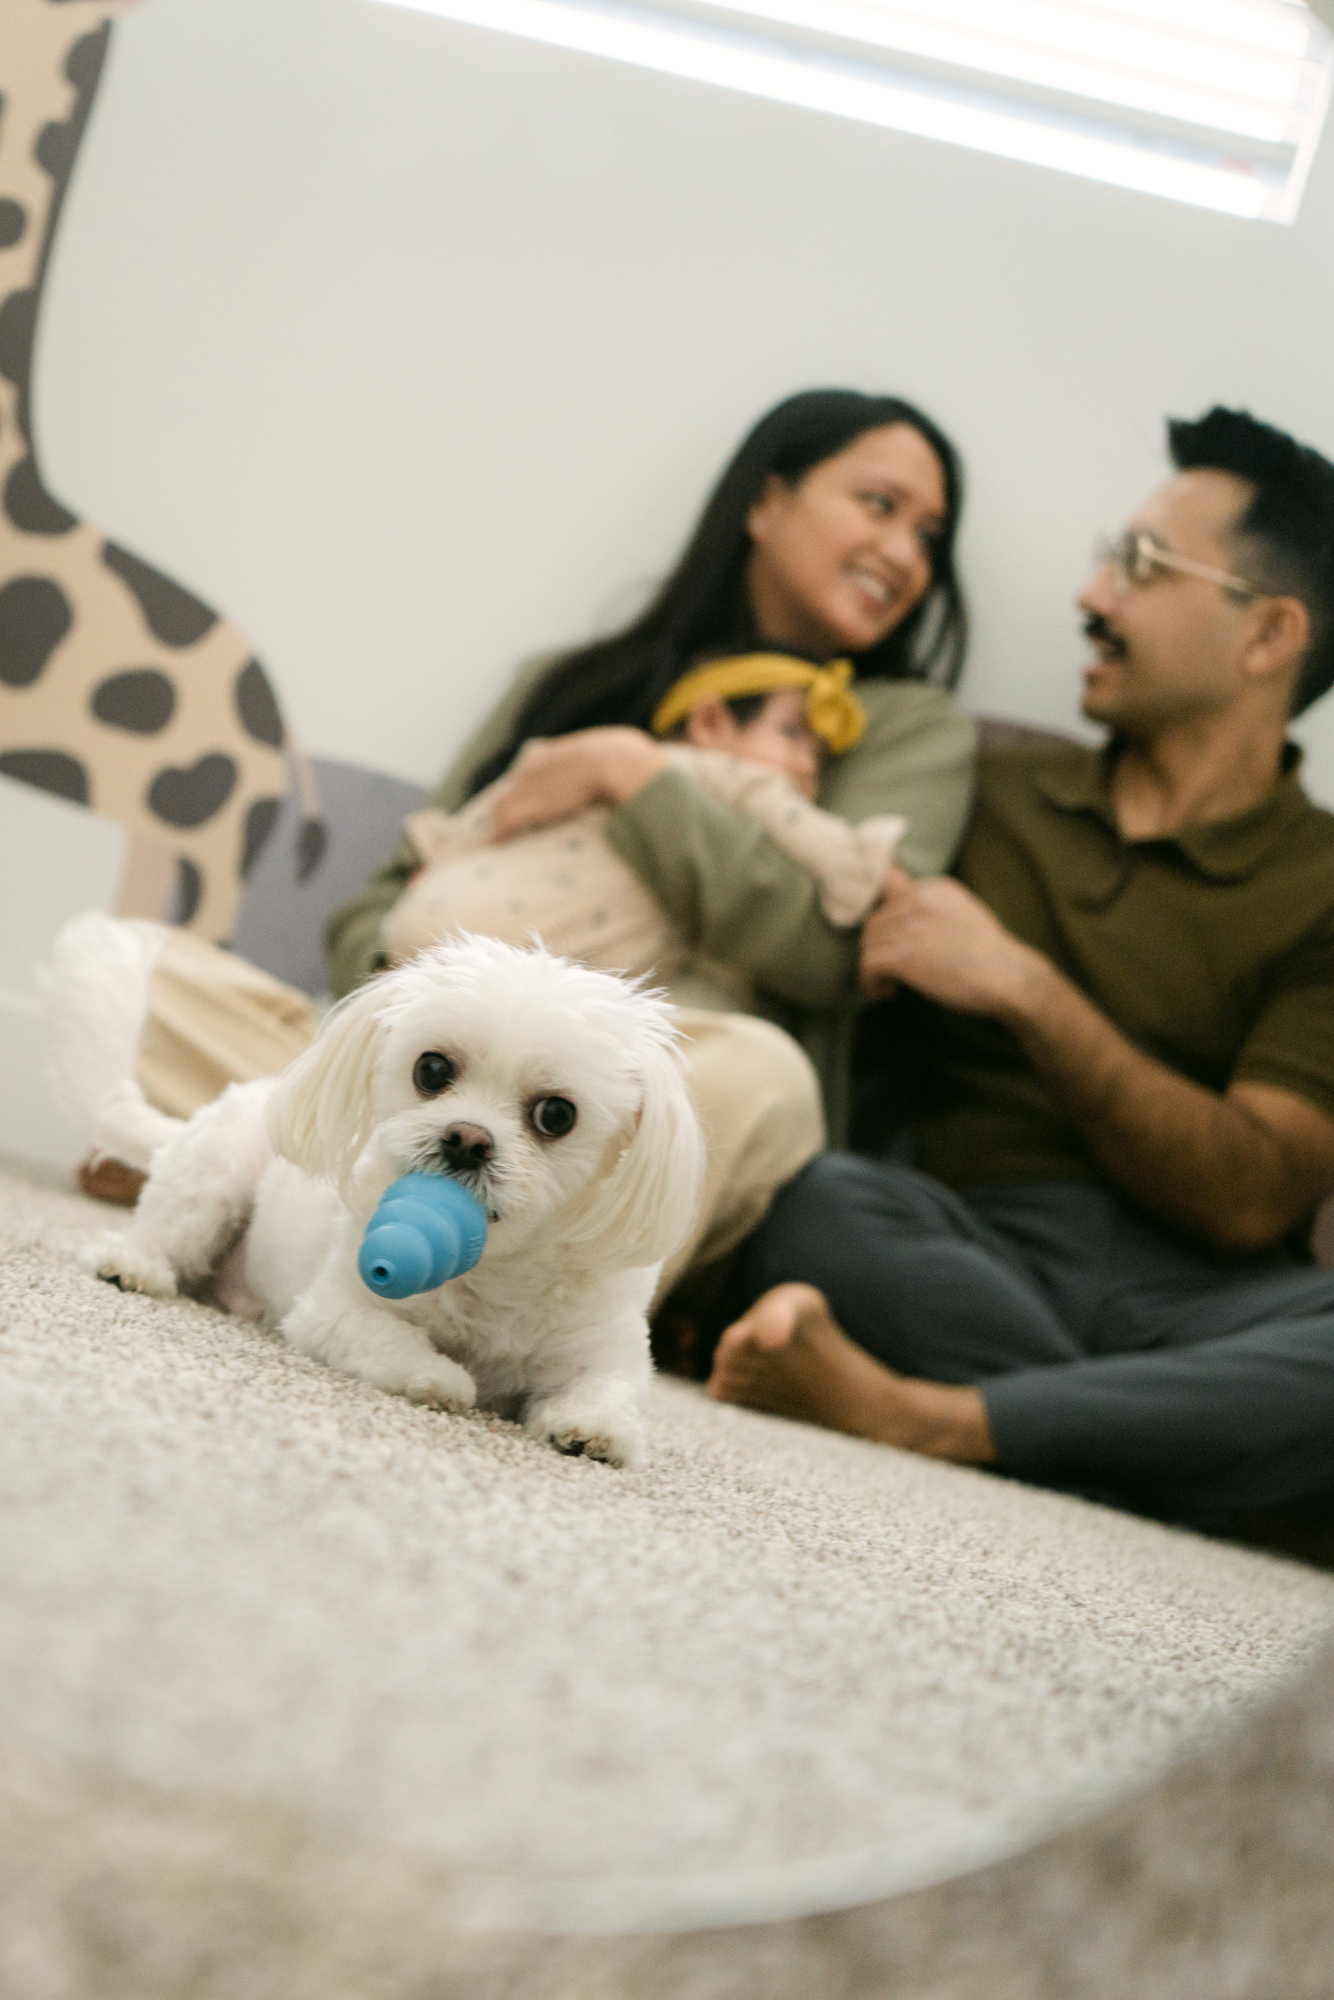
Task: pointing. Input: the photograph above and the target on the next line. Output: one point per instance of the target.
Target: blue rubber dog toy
(426, 1230)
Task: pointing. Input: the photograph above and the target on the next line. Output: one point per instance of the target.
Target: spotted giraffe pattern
(119, 689)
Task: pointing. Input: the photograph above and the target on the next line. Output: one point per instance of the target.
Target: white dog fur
(549, 1327)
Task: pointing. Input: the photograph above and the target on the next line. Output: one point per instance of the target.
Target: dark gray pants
(1114, 1357)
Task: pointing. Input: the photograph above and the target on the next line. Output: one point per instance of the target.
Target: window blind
(1216, 102)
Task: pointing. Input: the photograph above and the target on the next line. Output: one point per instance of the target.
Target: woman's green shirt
(738, 897)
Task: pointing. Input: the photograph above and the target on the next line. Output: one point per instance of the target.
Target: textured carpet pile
(261, 1622)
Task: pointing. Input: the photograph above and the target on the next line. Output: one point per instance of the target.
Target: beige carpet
(259, 1621)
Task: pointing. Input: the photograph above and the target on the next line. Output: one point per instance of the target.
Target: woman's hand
(553, 777)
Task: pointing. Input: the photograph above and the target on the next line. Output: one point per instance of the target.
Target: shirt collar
(1227, 849)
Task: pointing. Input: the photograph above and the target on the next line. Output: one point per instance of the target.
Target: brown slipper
(110, 1180)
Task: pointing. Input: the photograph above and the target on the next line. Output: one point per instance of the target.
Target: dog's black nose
(466, 1145)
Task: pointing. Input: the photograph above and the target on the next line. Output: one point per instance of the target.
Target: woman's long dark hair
(704, 602)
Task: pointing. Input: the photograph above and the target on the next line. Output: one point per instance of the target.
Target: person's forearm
(1190, 1156)
(738, 897)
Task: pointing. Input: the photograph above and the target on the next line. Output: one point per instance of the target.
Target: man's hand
(939, 938)
(1237, 1169)
(551, 778)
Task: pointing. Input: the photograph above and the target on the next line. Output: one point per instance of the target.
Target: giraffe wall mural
(119, 688)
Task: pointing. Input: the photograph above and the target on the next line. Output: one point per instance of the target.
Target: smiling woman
(838, 558)
(831, 530)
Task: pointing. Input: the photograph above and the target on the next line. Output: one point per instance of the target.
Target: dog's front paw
(378, 1348)
(123, 1261)
(621, 1447)
(594, 1421)
(441, 1385)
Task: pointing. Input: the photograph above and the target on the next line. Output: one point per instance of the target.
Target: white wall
(61, 860)
(413, 346)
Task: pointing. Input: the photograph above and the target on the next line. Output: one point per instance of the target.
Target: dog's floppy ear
(320, 1115)
(642, 1210)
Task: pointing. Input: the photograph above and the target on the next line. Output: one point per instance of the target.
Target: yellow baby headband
(832, 709)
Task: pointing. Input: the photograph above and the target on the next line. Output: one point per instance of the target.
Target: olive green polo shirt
(1212, 950)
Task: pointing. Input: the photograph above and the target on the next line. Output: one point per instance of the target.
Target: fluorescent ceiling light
(1215, 102)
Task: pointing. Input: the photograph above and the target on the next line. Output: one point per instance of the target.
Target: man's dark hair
(1286, 527)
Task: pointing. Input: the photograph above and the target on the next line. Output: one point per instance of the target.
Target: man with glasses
(1121, 1017)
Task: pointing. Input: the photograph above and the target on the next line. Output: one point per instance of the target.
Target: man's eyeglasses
(1135, 559)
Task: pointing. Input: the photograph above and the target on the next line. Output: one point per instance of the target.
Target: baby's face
(781, 736)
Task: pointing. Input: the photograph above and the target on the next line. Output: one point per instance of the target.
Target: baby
(751, 729)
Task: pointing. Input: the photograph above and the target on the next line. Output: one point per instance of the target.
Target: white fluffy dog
(552, 1092)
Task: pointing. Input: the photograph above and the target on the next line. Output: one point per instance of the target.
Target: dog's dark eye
(553, 1117)
(434, 1073)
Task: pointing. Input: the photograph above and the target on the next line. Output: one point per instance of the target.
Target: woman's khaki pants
(212, 1019)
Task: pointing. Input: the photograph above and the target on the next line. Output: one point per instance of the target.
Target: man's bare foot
(788, 1355)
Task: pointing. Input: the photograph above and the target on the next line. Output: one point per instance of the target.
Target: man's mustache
(1097, 628)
